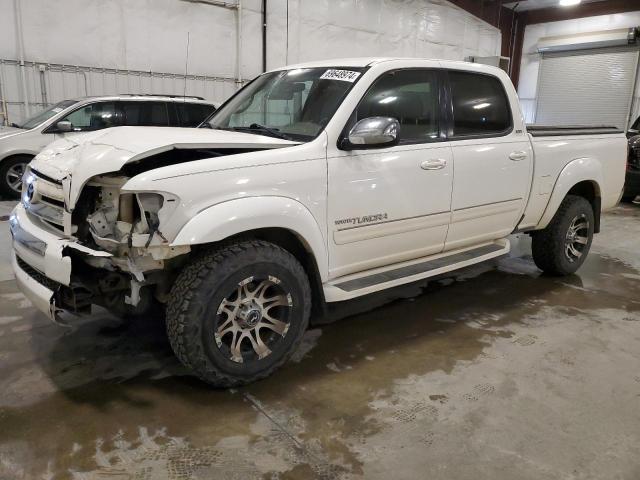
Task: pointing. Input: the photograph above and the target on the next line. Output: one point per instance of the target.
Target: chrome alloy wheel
(13, 177)
(577, 237)
(253, 319)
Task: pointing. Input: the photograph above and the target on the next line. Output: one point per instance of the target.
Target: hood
(10, 131)
(76, 159)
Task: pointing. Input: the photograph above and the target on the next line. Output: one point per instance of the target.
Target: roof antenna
(186, 65)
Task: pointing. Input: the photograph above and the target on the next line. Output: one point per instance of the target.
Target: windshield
(290, 104)
(47, 114)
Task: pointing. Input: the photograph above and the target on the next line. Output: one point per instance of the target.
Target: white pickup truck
(315, 183)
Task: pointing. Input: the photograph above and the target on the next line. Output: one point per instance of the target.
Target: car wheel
(562, 247)
(628, 198)
(237, 313)
(11, 171)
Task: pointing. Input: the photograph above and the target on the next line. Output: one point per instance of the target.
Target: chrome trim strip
(416, 269)
(28, 241)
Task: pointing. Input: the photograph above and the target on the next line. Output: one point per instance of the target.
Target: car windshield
(46, 114)
(289, 104)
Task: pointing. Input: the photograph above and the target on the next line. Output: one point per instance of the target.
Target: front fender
(576, 171)
(241, 215)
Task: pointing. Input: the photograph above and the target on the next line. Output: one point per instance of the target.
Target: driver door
(392, 204)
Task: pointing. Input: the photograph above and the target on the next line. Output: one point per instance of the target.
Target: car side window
(480, 105)
(131, 113)
(94, 116)
(193, 114)
(153, 114)
(410, 96)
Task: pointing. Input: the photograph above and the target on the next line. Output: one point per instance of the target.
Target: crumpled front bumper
(41, 262)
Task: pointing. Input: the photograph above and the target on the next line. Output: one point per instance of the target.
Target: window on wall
(411, 97)
(480, 105)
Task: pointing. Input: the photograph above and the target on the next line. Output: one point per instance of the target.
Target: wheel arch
(582, 177)
(19, 153)
(299, 248)
(279, 220)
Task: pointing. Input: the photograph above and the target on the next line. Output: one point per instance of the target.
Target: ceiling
(537, 4)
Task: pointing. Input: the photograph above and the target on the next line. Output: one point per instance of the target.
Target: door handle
(434, 164)
(518, 156)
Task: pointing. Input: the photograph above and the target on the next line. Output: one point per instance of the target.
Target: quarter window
(411, 97)
(480, 105)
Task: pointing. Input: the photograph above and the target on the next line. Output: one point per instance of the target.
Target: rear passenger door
(492, 160)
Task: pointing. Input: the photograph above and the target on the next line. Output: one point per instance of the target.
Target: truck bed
(599, 150)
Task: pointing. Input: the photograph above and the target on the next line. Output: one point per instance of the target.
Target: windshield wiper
(256, 127)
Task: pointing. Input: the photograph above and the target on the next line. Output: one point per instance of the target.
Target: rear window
(480, 105)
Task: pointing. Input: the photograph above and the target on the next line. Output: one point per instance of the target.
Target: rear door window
(146, 114)
(154, 114)
(193, 114)
(480, 105)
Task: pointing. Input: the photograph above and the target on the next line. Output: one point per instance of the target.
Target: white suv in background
(20, 143)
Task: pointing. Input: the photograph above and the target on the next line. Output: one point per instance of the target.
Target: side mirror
(373, 132)
(64, 126)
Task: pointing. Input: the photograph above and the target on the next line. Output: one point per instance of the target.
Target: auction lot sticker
(344, 75)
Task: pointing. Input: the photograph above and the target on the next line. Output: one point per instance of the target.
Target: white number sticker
(344, 75)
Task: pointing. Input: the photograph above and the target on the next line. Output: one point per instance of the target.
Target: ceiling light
(569, 3)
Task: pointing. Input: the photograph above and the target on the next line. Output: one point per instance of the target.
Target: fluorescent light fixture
(480, 106)
(569, 3)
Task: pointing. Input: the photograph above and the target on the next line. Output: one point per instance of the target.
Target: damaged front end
(109, 250)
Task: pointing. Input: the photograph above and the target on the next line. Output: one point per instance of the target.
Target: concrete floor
(498, 374)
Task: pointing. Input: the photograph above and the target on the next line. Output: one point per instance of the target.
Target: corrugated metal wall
(93, 47)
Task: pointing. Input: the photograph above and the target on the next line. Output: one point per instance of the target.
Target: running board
(363, 283)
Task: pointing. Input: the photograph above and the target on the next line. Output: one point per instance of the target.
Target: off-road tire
(198, 291)
(548, 245)
(5, 190)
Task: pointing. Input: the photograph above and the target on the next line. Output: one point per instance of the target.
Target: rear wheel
(561, 248)
(11, 171)
(238, 313)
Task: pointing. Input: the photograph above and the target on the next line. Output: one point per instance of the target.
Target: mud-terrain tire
(561, 248)
(221, 312)
(9, 170)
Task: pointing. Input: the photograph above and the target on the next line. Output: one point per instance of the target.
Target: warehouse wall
(528, 83)
(138, 36)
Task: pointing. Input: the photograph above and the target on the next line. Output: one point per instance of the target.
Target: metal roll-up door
(586, 87)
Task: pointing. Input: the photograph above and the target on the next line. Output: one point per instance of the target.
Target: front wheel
(11, 171)
(561, 248)
(237, 313)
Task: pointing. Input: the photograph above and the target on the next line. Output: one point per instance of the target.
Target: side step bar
(363, 283)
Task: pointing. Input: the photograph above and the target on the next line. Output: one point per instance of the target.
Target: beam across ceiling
(592, 9)
(487, 10)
